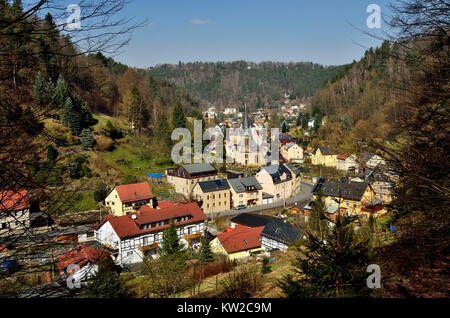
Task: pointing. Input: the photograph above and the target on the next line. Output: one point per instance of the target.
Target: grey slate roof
(280, 231)
(325, 151)
(214, 185)
(293, 168)
(239, 185)
(276, 172)
(274, 228)
(199, 168)
(341, 188)
(251, 220)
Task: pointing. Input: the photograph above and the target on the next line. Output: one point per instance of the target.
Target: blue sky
(253, 30)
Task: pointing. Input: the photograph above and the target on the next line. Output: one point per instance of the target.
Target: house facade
(127, 198)
(324, 156)
(357, 198)
(276, 180)
(245, 191)
(347, 162)
(239, 243)
(185, 178)
(292, 152)
(14, 211)
(130, 238)
(213, 196)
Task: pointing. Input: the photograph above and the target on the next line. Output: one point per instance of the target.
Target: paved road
(304, 195)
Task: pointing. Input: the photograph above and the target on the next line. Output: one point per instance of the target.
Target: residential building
(324, 156)
(213, 196)
(82, 262)
(357, 198)
(347, 162)
(14, 211)
(245, 191)
(292, 152)
(130, 238)
(239, 243)
(128, 198)
(296, 178)
(185, 177)
(277, 233)
(276, 180)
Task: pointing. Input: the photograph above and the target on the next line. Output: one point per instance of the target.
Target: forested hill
(232, 83)
(361, 102)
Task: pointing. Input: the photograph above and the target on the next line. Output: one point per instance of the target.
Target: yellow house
(357, 198)
(241, 242)
(292, 152)
(245, 191)
(214, 195)
(324, 156)
(128, 198)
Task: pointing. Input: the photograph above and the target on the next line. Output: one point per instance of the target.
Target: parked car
(9, 266)
(240, 207)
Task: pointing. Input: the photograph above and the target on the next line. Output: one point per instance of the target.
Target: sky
(329, 32)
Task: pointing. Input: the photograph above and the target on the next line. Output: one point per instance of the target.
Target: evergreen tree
(205, 255)
(42, 91)
(284, 128)
(52, 153)
(299, 119)
(178, 118)
(70, 117)
(86, 138)
(164, 132)
(345, 123)
(105, 283)
(266, 268)
(318, 223)
(334, 267)
(170, 243)
(305, 121)
(62, 92)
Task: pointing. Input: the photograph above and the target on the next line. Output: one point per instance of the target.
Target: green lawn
(135, 166)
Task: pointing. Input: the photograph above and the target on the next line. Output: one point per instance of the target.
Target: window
(129, 253)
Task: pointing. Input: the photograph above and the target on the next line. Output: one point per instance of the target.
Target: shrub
(242, 283)
(103, 143)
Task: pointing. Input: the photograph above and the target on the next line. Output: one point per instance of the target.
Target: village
(250, 210)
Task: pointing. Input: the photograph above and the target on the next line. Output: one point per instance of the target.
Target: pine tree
(318, 223)
(164, 133)
(178, 118)
(284, 128)
(42, 91)
(86, 138)
(170, 243)
(62, 92)
(70, 117)
(334, 267)
(205, 255)
(345, 123)
(52, 153)
(299, 120)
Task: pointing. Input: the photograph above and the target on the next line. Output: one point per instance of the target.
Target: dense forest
(232, 83)
(361, 103)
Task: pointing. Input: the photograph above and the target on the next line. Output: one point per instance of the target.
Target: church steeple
(245, 125)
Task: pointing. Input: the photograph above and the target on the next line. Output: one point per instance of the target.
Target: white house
(132, 237)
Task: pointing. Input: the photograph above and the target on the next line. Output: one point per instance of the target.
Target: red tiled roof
(165, 204)
(134, 192)
(126, 226)
(14, 200)
(343, 156)
(80, 256)
(241, 238)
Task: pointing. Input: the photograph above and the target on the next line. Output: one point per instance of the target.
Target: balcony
(147, 247)
(192, 236)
